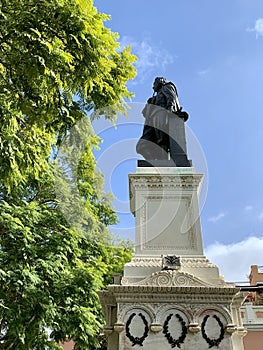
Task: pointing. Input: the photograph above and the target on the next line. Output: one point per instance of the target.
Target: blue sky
(213, 52)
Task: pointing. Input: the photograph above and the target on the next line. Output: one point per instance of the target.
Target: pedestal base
(170, 296)
(163, 317)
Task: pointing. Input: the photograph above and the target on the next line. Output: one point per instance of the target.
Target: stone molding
(206, 293)
(171, 278)
(159, 183)
(144, 181)
(144, 261)
(155, 311)
(201, 262)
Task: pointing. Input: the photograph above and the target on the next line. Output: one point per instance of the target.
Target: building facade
(252, 310)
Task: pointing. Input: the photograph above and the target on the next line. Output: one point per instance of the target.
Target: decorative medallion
(137, 340)
(171, 340)
(213, 342)
(171, 262)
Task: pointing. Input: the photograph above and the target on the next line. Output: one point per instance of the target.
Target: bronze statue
(158, 141)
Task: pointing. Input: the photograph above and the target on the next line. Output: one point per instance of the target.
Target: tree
(57, 61)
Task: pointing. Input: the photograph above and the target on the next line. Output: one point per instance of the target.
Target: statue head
(158, 83)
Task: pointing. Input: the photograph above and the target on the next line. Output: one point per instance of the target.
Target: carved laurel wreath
(137, 340)
(174, 342)
(213, 342)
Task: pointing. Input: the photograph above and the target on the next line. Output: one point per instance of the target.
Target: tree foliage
(57, 61)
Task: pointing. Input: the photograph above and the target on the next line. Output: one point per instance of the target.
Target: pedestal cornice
(175, 181)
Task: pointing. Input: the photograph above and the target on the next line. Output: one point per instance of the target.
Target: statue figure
(156, 140)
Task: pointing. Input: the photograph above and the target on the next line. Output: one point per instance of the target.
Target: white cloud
(260, 216)
(258, 27)
(217, 217)
(150, 57)
(234, 260)
(248, 208)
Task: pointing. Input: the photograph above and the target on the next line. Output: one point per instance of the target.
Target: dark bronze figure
(162, 114)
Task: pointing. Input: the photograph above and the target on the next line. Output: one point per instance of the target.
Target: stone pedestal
(170, 296)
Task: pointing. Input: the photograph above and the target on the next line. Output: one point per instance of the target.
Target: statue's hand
(150, 100)
(182, 114)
